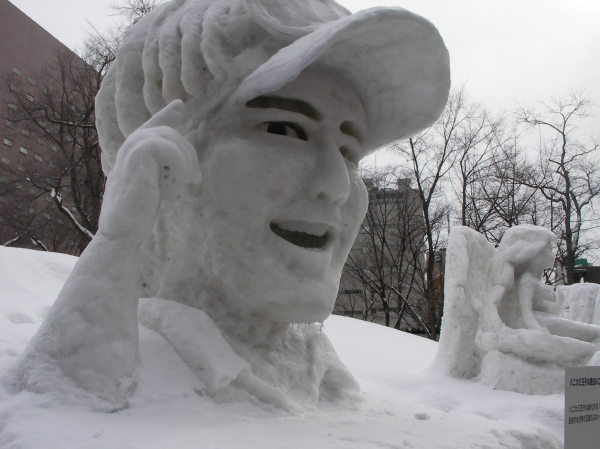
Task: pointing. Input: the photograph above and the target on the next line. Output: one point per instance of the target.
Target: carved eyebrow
(286, 104)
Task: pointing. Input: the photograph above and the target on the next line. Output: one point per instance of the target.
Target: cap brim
(396, 60)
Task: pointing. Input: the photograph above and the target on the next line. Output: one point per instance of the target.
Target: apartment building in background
(26, 50)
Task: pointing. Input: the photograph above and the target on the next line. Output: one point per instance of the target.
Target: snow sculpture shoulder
(231, 131)
(500, 322)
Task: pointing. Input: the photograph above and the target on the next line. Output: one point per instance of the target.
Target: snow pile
(29, 283)
(402, 405)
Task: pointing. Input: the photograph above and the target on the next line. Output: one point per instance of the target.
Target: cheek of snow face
(168, 408)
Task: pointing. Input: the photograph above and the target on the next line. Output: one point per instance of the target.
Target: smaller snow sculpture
(500, 322)
(580, 302)
(231, 131)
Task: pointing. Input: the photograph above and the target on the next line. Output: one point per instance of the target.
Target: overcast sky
(506, 51)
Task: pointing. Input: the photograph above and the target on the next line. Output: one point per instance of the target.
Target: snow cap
(206, 52)
(396, 60)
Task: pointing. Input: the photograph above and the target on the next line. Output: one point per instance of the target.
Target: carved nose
(330, 181)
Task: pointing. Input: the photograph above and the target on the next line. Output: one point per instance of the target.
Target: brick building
(25, 49)
(31, 155)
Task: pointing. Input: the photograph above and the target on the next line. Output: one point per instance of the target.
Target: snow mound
(401, 405)
(29, 283)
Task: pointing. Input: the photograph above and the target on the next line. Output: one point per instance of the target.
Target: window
(31, 210)
(20, 167)
(3, 179)
(12, 106)
(48, 198)
(25, 132)
(2, 200)
(10, 124)
(23, 150)
(39, 140)
(17, 71)
(19, 186)
(31, 81)
(59, 221)
(47, 216)
(7, 142)
(5, 160)
(51, 164)
(53, 147)
(14, 88)
(65, 188)
(33, 191)
(38, 158)
(29, 97)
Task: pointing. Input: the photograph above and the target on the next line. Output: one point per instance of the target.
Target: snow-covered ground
(402, 404)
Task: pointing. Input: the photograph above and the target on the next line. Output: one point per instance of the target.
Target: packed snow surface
(401, 405)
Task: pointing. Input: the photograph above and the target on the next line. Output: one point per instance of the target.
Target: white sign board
(582, 407)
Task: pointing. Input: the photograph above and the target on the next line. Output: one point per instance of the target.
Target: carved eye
(283, 129)
(349, 155)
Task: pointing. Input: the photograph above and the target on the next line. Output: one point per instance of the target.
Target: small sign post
(582, 407)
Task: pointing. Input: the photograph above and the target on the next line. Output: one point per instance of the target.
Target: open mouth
(303, 234)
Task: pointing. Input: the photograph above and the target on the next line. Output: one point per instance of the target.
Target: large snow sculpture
(231, 131)
(500, 323)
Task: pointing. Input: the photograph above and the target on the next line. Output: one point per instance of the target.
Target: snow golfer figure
(231, 132)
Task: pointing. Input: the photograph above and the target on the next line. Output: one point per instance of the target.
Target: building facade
(37, 207)
(25, 50)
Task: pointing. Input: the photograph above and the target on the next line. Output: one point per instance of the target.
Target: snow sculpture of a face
(281, 201)
(273, 104)
(280, 112)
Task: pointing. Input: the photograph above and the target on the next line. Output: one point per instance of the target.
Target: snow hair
(529, 233)
(197, 50)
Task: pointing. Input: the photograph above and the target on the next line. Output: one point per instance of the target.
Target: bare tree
(133, 10)
(501, 199)
(567, 172)
(475, 138)
(64, 168)
(432, 155)
(51, 196)
(384, 270)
